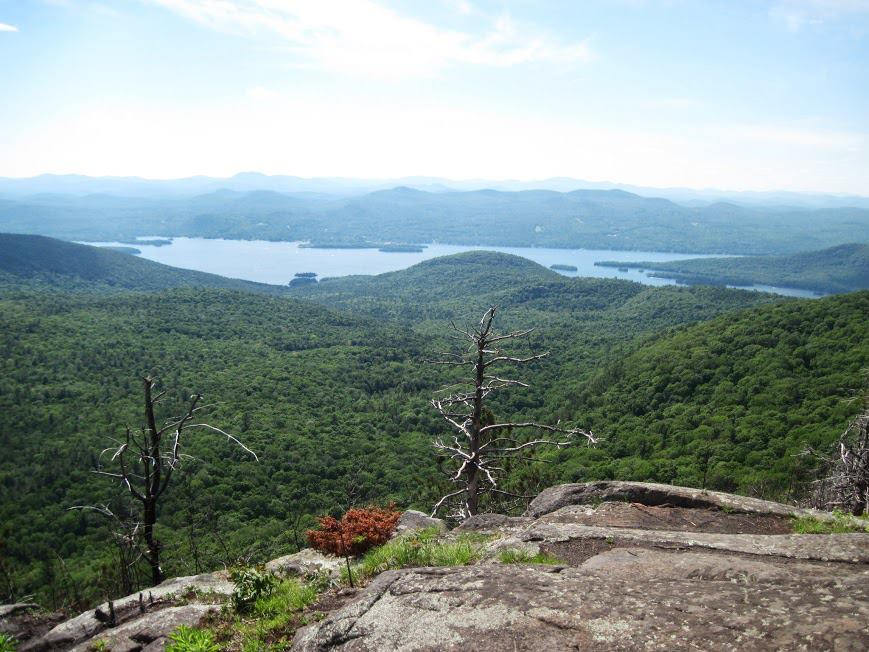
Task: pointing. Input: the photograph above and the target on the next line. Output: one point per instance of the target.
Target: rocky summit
(645, 566)
(629, 566)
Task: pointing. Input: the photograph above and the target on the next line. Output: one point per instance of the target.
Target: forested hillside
(594, 219)
(729, 403)
(838, 269)
(461, 285)
(34, 261)
(335, 397)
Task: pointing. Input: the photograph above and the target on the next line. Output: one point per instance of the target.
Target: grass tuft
(270, 621)
(519, 556)
(418, 549)
(841, 524)
(190, 639)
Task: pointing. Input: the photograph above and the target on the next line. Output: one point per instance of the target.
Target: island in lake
(564, 268)
(154, 242)
(338, 245)
(303, 278)
(402, 248)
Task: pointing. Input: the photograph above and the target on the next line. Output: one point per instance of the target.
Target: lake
(278, 262)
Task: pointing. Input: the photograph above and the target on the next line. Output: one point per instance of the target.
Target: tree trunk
(476, 423)
(151, 544)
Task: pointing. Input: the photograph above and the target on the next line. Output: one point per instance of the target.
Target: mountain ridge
(82, 184)
(595, 219)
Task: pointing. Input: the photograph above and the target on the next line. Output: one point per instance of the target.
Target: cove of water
(278, 262)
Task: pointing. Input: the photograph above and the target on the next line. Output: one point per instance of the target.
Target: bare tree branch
(146, 477)
(845, 484)
(475, 452)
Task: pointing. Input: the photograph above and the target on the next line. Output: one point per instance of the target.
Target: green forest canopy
(338, 393)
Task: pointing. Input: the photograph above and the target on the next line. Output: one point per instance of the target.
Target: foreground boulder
(137, 620)
(414, 521)
(150, 632)
(305, 563)
(641, 566)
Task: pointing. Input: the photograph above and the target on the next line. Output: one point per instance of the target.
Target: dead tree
(479, 443)
(144, 462)
(846, 483)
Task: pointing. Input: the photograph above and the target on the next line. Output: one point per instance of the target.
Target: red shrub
(358, 530)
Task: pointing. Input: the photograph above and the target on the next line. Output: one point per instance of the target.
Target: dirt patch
(682, 519)
(331, 600)
(29, 623)
(576, 551)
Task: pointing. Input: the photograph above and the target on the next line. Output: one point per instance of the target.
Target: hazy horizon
(462, 184)
(734, 96)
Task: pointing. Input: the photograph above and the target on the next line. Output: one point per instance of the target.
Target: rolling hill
(729, 403)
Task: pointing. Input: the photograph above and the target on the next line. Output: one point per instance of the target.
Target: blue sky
(728, 94)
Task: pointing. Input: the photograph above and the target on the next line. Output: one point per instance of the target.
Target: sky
(726, 94)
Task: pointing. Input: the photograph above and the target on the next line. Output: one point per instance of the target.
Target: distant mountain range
(73, 184)
(591, 219)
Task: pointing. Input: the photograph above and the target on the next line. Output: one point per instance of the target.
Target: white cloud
(7, 28)
(674, 103)
(262, 94)
(461, 6)
(796, 14)
(797, 137)
(361, 36)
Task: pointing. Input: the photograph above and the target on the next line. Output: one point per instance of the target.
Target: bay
(278, 262)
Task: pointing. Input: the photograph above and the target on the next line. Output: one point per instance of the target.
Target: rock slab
(645, 566)
(634, 599)
(144, 606)
(651, 493)
(414, 521)
(304, 563)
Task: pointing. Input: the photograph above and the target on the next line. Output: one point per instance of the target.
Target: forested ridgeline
(838, 269)
(596, 219)
(334, 400)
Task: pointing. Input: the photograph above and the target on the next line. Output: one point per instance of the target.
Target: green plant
(475, 537)
(841, 524)
(286, 596)
(271, 620)
(190, 639)
(418, 549)
(321, 581)
(519, 556)
(251, 584)
(7, 643)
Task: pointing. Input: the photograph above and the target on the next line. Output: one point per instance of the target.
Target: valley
(387, 326)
